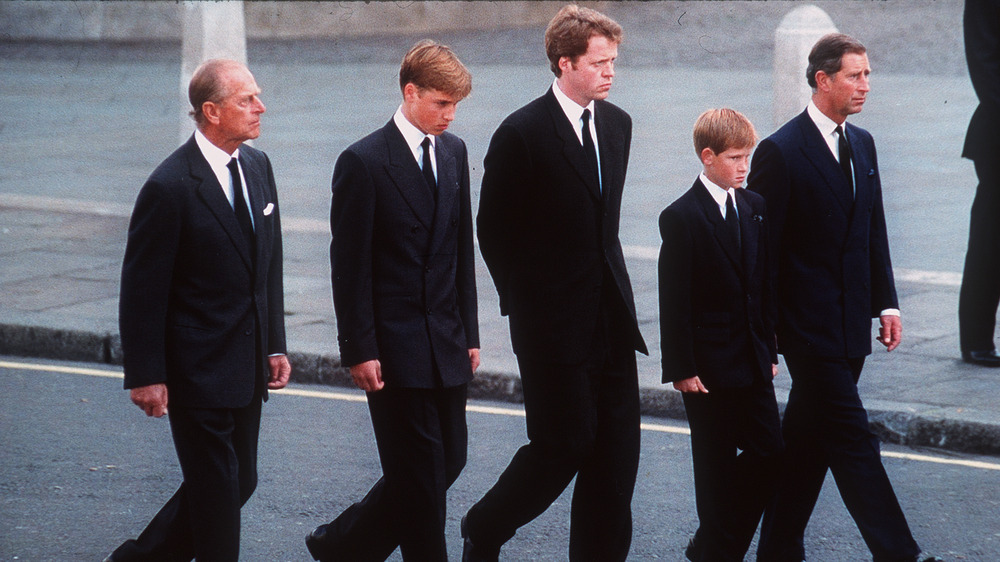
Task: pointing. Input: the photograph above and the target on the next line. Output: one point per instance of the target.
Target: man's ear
(211, 111)
(822, 81)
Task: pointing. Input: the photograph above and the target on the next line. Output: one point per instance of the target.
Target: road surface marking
(489, 410)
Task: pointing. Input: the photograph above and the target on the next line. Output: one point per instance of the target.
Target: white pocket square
(268, 209)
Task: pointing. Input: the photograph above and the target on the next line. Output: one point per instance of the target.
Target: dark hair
(429, 65)
(207, 85)
(569, 33)
(827, 53)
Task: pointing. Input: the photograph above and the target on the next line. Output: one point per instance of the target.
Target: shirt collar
(826, 125)
(216, 156)
(573, 110)
(718, 193)
(411, 134)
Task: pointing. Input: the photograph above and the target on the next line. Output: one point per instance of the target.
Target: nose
(609, 69)
(260, 106)
(449, 114)
(865, 84)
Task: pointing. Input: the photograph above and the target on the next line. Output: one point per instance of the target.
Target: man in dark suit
(980, 293)
(717, 337)
(404, 290)
(819, 176)
(202, 314)
(548, 230)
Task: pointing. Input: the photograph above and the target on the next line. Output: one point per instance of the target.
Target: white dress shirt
(218, 160)
(574, 112)
(719, 194)
(414, 138)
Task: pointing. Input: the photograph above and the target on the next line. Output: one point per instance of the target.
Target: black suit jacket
(404, 285)
(982, 51)
(716, 307)
(548, 233)
(194, 312)
(831, 253)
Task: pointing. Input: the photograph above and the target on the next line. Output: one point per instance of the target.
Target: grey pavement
(82, 125)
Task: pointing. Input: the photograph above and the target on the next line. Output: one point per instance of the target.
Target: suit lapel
(211, 194)
(818, 153)
(447, 180)
(714, 217)
(750, 225)
(572, 148)
(864, 174)
(256, 178)
(405, 173)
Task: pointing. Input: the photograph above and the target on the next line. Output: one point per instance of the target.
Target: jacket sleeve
(674, 270)
(883, 284)
(465, 282)
(150, 255)
(275, 277)
(352, 215)
(507, 170)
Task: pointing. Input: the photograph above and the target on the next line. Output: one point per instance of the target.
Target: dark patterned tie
(733, 221)
(428, 169)
(240, 207)
(845, 158)
(589, 148)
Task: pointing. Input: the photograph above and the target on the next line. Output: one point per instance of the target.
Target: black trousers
(217, 449)
(582, 420)
(826, 427)
(422, 442)
(980, 292)
(735, 445)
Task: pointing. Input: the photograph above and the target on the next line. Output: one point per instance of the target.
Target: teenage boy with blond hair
(404, 291)
(717, 336)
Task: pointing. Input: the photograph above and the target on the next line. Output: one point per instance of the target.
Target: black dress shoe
(984, 358)
(474, 553)
(314, 542)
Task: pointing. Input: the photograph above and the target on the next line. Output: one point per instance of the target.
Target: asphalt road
(82, 469)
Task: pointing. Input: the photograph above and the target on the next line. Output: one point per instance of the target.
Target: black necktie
(240, 207)
(732, 221)
(589, 148)
(427, 169)
(845, 158)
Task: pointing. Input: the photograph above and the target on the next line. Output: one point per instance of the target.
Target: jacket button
(248, 333)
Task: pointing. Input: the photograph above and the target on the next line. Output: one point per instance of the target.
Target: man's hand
(474, 359)
(692, 384)
(152, 399)
(774, 370)
(281, 370)
(890, 331)
(368, 375)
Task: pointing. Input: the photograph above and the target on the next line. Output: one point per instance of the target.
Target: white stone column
(796, 34)
(211, 30)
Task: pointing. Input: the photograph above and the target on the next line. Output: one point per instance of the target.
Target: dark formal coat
(831, 251)
(716, 308)
(196, 312)
(982, 51)
(548, 233)
(403, 269)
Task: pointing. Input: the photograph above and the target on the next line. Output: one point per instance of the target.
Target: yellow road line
(489, 410)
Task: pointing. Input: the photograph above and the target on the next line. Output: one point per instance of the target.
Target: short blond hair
(430, 65)
(722, 129)
(569, 33)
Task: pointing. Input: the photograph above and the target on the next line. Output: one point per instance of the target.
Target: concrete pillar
(212, 30)
(796, 34)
